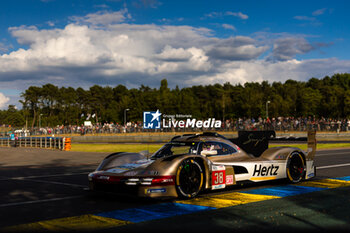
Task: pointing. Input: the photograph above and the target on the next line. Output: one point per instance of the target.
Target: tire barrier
(37, 142)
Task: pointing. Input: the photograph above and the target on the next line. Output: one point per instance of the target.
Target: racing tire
(295, 167)
(189, 179)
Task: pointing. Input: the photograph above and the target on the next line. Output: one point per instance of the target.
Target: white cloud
(287, 48)
(103, 17)
(235, 48)
(304, 18)
(229, 26)
(319, 12)
(227, 13)
(171, 54)
(84, 54)
(259, 70)
(50, 23)
(3, 100)
(244, 52)
(213, 15)
(4, 48)
(238, 14)
(147, 3)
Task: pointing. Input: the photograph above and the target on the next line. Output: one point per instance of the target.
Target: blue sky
(110, 42)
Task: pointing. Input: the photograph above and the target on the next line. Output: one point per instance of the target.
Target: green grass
(301, 146)
(319, 146)
(115, 147)
(154, 147)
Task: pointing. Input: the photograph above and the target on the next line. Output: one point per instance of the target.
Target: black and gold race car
(191, 163)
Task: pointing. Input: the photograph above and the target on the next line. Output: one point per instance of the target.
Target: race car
(191, 163)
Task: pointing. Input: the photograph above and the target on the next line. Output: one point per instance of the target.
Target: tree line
(50, 105)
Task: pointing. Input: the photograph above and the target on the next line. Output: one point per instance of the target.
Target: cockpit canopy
(206, 148)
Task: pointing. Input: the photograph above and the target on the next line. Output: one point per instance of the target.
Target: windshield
(176, 148)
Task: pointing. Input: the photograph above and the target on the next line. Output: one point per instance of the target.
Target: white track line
(332, 166)
(39, 201)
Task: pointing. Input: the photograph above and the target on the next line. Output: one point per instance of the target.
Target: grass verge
(135, 147)
(324, 146)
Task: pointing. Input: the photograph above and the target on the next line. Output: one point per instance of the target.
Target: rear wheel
(295, 167)
(189, 178)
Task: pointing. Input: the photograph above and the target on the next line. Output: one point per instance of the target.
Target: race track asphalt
(45, 190)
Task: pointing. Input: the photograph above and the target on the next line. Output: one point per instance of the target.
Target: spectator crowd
(277, 124)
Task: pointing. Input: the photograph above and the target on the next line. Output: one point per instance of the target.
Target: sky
(80, 43)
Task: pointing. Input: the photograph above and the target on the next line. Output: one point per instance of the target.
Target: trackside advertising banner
(155, 120)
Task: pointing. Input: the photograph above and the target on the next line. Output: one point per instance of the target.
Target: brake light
(106, 178)
(164, 180)
(115, 178)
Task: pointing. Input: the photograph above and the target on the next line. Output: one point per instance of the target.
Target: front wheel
(295, 167)
(189, 179)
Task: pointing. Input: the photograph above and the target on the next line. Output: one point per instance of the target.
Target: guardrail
(60, 143)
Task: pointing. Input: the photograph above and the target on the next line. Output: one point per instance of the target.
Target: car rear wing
(256, 142)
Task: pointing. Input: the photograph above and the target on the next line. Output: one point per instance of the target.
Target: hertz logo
(265, 171)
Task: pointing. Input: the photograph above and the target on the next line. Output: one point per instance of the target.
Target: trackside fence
(59, 143)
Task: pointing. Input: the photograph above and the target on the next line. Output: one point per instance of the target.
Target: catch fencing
(60, 143)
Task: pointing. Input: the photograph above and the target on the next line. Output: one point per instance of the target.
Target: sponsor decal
(256, 141)
(310, 169)
(103, 177)
(218, 177)
(260, 170)
(280, 157)
(229, 179)
(150, 173)
(218, 186)
(218, 168)
(130, 173)
(162, 190)
(151, 120)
